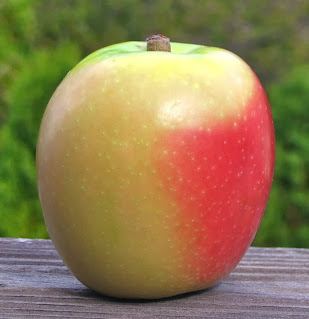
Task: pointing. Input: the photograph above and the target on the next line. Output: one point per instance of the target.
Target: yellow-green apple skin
(154, 168)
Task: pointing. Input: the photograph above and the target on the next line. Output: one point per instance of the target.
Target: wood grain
(268, 283)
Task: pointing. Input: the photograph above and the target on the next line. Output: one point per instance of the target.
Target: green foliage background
(40, 41)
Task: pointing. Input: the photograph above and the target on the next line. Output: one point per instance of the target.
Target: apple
(154, 167)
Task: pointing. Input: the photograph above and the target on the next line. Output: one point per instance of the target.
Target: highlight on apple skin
(154, 168)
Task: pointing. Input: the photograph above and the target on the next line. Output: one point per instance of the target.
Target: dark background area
(40, 41)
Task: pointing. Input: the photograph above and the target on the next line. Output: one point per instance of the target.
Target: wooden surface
(268, 283)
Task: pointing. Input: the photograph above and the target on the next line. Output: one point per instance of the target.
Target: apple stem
(158, 42)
